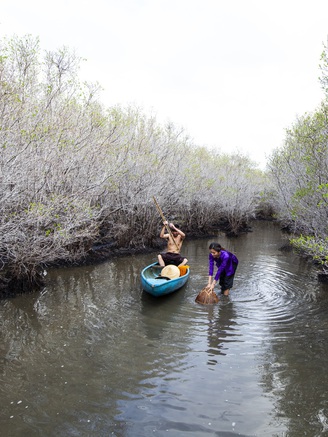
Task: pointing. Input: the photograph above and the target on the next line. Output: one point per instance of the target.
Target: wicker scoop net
(207, 297)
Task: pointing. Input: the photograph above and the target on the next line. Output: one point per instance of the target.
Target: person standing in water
(174, 243)
(226, 263)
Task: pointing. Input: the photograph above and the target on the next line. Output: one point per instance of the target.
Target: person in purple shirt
(226, 263)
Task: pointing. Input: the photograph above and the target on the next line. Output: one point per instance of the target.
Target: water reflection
(296, 374)
(162, 316)
(94, 355)
(221, 329)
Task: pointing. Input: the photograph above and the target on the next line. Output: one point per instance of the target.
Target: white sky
(233, 73)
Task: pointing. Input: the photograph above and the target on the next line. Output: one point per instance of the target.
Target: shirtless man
(172, 254)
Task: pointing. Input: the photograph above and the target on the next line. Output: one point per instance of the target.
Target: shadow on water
(94, 355)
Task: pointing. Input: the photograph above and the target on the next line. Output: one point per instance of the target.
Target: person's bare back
(174, 245)
(174, 242)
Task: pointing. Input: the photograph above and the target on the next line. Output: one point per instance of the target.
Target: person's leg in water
(226, 283)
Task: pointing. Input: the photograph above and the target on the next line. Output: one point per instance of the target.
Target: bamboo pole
(164, 220)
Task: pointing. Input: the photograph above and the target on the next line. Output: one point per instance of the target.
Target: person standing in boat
(226, 263)
(174, 243)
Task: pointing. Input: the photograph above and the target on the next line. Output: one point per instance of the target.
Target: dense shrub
(75, 174)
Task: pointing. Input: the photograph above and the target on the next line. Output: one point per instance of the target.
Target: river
(93, 355)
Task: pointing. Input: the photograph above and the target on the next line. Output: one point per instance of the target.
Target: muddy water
(93, 355)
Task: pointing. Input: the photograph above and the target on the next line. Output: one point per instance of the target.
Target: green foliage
(299, 174)
(316, 248)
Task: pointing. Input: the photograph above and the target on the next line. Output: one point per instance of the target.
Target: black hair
(216, 246)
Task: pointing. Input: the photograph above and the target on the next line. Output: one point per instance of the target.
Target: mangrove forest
(78, 178)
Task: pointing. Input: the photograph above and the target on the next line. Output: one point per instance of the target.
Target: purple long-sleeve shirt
(227, 263)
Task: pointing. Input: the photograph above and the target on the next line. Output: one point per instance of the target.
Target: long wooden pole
(164, 220)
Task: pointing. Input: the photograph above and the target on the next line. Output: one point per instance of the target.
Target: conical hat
(170, 271)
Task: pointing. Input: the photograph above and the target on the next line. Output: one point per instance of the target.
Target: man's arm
(163, 234)
(182, 234)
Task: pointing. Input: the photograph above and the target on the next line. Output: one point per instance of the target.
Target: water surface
(93, 355)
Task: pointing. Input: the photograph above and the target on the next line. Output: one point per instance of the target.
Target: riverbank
(99, 253)
(106, 250)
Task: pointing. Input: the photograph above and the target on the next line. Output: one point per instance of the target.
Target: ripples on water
(94, 355)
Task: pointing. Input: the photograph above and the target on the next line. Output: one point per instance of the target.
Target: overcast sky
(234, 74)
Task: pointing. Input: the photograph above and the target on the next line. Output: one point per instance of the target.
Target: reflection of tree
(20, 328)
(220, 330)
